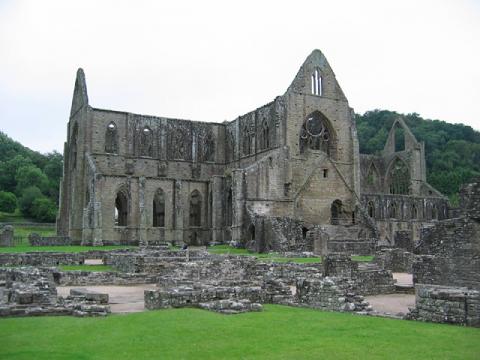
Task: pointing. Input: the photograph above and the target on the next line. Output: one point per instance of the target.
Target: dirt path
(122, 299)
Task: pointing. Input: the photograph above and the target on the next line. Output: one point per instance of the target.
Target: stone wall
(6, 235)
(41, 259)
(395, 260)
(36, 240)
(444, 304)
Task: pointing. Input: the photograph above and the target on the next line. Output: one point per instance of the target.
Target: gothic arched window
(159, 209)
(146, 142)
(229, 209)
(121, 209)
(111, 139)
(246, 141)
(195, 208)
(316, 134)
(373, 176)
(414, 212)
(371, 209)
(399, 178)
(392, 210)
(265, 139)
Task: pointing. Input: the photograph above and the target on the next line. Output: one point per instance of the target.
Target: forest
(29, 180)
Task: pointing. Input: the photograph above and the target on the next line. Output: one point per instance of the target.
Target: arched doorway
(336, 211)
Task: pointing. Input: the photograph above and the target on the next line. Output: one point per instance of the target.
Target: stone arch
(398, 176)
(317, 134)
(111, 138)
(121, 208)
(434, 212)
(195, 213)
(265, 137)
(336, 210)
(371, 209)
(392, 210)
(159, 208)
(373, 176)
(146, 142)
(251, 232)
(414, 212)
(316, 82)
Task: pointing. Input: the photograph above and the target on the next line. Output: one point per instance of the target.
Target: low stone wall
(396, 260)
(41, 259)
(373, 281)
(445, 304)
(329, 294)
(403, 239)
(36, 240)
(85, 278)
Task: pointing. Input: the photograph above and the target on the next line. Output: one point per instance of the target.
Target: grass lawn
(87, 267)
(69, 249)
(276, 333)
(226, 249)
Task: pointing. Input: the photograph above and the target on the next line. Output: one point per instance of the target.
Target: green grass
(87, 267)
(68, 249)
(15, 217)
(276, 333)
(275, 257)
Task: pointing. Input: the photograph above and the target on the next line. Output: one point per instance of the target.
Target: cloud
(214, 60)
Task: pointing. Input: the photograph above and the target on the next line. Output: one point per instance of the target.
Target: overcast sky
(215, 60)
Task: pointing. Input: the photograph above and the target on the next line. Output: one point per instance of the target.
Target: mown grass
(275, 257)
(67, 249)
(86, 267)
(276, 333)
(15, 217)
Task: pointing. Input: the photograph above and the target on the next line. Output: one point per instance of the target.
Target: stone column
(238, 200)
(218, 208)
(143, 241)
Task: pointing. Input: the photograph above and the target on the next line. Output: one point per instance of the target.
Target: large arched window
(159, 209)
(146, 142)
(111, 139)
(373, 177)
(195, 208)
(316, 134)
(121, 209)
(399, 178)
(265, 139)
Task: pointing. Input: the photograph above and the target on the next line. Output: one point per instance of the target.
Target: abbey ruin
(287, 176)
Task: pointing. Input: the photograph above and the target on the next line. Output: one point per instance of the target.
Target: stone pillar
(6, 236)
(218, 208)
(238, 200)
(142, 235)
(178, 223)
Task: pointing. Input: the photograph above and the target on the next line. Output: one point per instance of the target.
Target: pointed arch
(121, 207)
(317, 134)
(195, 208)
(159, 208)
(414, 212)
(398, 176)
(373, 176)
(316, 80)
(434, 212)
(265, 138)
(111, 138)
(371, 209)
(246, 141)
(146, 142)
(229, 208)
(392, 210)
(336, 210)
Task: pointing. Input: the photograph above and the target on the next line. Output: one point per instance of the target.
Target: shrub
(8, 202)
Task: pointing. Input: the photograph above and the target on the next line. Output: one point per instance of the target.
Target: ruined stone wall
(396, 260)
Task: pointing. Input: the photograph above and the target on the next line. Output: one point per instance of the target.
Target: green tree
(25, 202)
(8, 202)
(44, 209)
(30, 175)
(8, 170)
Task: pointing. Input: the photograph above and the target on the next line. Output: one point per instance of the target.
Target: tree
(8, 171)
(8, 202)
(31, 175)
(25, 202)
(44, 209)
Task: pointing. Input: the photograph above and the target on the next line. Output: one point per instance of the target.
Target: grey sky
(215, 60)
